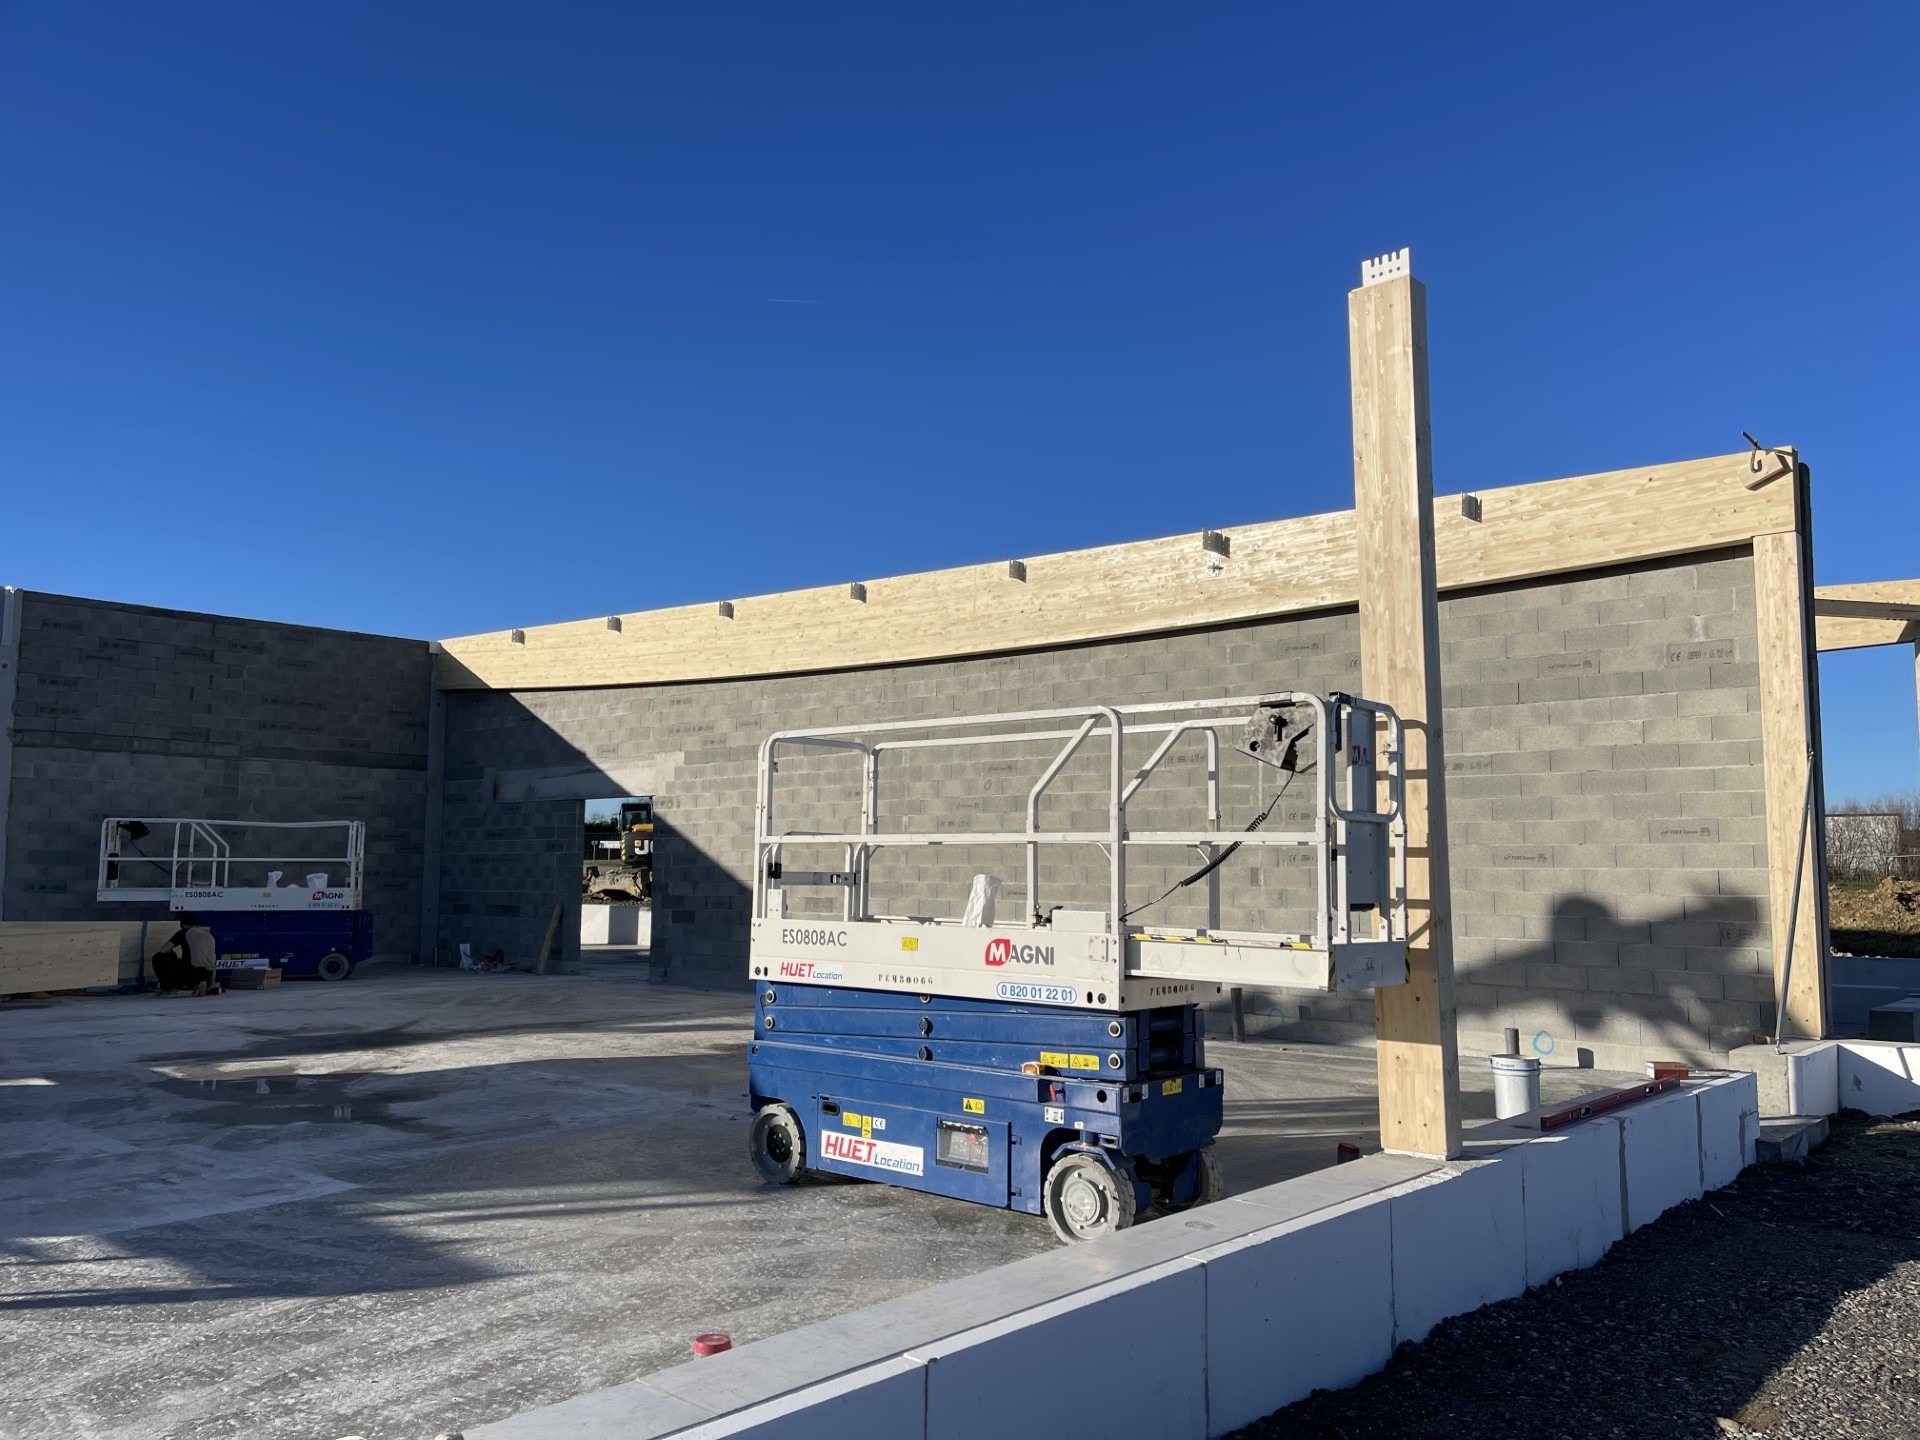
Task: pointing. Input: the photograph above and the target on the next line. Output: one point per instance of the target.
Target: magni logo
(999, 952)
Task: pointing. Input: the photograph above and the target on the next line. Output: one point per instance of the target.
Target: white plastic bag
(979, 912)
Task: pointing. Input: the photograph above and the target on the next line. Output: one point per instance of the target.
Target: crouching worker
(188, 960)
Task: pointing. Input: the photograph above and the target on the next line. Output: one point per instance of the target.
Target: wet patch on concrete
(300, 1099)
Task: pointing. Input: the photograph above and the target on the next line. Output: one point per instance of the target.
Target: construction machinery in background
(622, 859)
(636, 842)
(281, 895)
(1056, 1064)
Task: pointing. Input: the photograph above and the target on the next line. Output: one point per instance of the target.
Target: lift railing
(1342, 752)
(175, 859)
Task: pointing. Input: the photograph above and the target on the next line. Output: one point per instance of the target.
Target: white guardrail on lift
(196, 864)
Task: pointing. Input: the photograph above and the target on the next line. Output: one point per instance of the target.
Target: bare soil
(1884, 920)
(1785, 1307)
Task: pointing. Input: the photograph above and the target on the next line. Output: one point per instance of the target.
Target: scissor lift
(288, 893)
(1056, 1065)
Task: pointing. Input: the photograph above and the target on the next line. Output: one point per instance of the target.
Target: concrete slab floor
(421, 1200)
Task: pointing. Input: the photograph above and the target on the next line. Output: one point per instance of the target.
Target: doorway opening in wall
(616, 872)
(1871, 829)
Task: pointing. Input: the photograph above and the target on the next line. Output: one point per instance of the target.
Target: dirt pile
(1882, 921)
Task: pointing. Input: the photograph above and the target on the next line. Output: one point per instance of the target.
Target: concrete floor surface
(421, 1200)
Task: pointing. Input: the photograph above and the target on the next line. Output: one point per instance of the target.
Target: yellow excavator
(636, 842)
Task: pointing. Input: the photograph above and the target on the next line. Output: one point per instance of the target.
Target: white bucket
(273, 879)
(317, 880)
(1516, 1084)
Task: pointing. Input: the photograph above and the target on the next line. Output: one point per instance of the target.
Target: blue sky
(436, 318)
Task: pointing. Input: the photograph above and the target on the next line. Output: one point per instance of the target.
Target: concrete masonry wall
(132, 710)
(1604, 774)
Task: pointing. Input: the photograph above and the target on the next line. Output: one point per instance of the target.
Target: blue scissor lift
(287, 894)
(1057, 1065)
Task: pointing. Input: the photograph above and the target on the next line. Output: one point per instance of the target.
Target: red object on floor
(1344, 1152)
(712, 1344)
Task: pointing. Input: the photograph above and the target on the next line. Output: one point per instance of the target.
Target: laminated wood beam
(1150, 586)
(1881, 612)
(53, 956)
(1418, 1054)
(1793, 801)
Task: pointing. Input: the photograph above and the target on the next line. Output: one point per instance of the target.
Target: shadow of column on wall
(1691, 975)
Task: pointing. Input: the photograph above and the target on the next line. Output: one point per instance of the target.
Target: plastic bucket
(1516, 1084)
(317, 880)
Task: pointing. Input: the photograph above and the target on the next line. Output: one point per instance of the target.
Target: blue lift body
(293, 939)
(929, 1092)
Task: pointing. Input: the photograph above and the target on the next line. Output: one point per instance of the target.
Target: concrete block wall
(131, 710)
(1604, 784)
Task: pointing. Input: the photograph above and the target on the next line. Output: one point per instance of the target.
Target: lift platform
(1057, 1064)
(291, 893)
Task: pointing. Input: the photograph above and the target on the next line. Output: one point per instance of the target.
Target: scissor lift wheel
(1085, 1199)
(333, 966)
(1198, 1182)
(778, 1146)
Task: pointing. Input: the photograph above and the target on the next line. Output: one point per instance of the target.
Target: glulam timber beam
(1417, 1054)
(1181, 582)
(1855, 617)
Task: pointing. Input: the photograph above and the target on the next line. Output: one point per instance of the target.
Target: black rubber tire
(1213, 1179)
(1212, 1185)
(333, 966)
(778, 1145)
(1085, 1200)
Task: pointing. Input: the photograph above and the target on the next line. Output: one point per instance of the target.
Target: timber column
(1419, 1058)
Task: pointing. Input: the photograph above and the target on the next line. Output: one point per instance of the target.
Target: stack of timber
(38, 956)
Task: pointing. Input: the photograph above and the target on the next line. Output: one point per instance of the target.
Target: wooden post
(1788, 726)
(1419, 1061)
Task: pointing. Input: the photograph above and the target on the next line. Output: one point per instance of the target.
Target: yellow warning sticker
(850, 1119)
(1061, 1060)
(1169, 1087)
(972, 1106)
(909, 942)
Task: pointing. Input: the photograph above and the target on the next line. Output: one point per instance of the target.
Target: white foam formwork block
(1879, 1077)
(1571, 1184)
(1813, 1081)
(1729, 1128)
(1304, 1306)
(887, 1399)
(1459, 1242)
(633, 1411)
(594, 924)
(1660, 1154)
(1135, 1348)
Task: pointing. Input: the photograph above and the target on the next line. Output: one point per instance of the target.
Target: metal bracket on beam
(1383, 268)
(1769, 465)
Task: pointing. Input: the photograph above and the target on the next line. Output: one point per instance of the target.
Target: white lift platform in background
(227, 865)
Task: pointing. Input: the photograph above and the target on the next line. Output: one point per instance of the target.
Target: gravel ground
(1786, 1306)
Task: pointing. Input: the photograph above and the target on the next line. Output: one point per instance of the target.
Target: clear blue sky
(432, 318)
